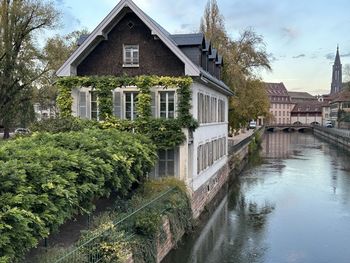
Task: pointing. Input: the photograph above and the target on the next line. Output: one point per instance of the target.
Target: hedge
(47, 178)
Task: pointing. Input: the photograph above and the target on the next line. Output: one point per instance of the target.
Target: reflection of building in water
(277, 145)
(212, 237)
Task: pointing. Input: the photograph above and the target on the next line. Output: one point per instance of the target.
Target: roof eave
(202, 79)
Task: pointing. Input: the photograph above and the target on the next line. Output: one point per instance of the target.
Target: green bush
(48, 178)
(63, 124)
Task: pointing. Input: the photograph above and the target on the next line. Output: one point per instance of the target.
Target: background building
(280, 103)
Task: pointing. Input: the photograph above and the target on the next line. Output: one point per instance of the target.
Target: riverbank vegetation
(135, 226)
(47, 178)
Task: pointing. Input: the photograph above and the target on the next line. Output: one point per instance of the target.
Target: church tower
(337, 74)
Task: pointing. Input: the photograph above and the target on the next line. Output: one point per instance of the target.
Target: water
(292, 207)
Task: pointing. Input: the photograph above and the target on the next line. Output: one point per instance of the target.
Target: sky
(301, 36)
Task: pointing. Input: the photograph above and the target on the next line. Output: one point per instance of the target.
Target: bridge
(289, 127)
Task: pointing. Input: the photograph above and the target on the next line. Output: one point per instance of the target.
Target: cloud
(272, 57)
(330, 56)
(290, 33)
(299, 56)
(70, 22)
(345, 55)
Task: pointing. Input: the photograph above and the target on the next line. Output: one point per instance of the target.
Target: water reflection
(293, 205)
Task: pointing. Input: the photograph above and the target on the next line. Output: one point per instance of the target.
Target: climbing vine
(166, 133)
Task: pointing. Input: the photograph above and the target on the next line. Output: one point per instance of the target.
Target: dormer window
(130, 55)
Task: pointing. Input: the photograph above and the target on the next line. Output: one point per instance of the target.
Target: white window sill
(130, 66)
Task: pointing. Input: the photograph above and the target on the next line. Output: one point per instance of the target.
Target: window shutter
(82, 105)
(154, 104)
(117, 104)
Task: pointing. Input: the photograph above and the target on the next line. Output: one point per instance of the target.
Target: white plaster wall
(307, 119)
(206, 133)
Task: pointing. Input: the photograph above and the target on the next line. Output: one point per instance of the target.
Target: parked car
(22, 131)
(329, 124)
(252, 125)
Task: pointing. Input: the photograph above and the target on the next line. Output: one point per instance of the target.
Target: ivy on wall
(165, 133)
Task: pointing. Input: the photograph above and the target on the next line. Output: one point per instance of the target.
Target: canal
(290, 205)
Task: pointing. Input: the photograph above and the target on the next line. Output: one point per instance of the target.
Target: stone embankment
(339, 137)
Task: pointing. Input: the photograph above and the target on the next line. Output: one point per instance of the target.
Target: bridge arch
(297, 123)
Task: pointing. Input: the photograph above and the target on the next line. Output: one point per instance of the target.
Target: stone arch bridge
(289, 127)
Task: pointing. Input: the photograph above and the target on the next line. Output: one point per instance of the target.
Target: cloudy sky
(301, 35)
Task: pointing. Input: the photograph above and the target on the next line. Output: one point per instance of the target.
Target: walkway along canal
(291, 205)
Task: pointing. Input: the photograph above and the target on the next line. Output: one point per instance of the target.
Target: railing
(88, 250)
(337, 132)
(232, 147)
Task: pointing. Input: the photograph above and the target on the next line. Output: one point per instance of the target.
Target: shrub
(62, 124)
(47, 178)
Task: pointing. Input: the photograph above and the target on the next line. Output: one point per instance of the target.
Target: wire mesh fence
(90, 248)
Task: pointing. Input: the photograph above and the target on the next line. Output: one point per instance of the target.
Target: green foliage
(62, 124)
(114, 239)
(48, 178)
(104, 86)
(166, 134)
(65, 101)
(20, 25)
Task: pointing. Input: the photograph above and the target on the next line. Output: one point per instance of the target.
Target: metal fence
(88, 251)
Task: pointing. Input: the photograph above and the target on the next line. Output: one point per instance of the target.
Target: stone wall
(334, 137)
(203, 195)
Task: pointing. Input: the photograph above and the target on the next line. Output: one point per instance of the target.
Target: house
(129, 42)
(307, 113)
(340, 109)
(280, 103)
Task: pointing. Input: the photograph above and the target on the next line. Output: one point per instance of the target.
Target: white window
(166, 163)
(130, 105)
(167, 104)
(94, 105)
(130, 55)
(221, 111)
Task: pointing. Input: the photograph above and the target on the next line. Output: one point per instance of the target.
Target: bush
(47, 178)
(56, 125)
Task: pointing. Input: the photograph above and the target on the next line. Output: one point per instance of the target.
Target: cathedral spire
(337, 74)
(337, 57)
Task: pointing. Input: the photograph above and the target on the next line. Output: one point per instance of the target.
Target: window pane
(162, 169)
(171, 154)
(171, 168)
(171, 115)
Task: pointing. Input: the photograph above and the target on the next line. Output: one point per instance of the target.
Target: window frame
(132, 63)
(166, 92)
(133, 104)
(166, 160)
(91, 93)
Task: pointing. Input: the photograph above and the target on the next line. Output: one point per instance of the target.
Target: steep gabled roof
(300, 95)
(101, 32)
(276, 89)
(214, 54)
(308, 107)
(196, 39)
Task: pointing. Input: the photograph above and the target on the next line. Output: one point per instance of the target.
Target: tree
(56, 52)
(244, 58)
(213, 26)
(20, 66)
